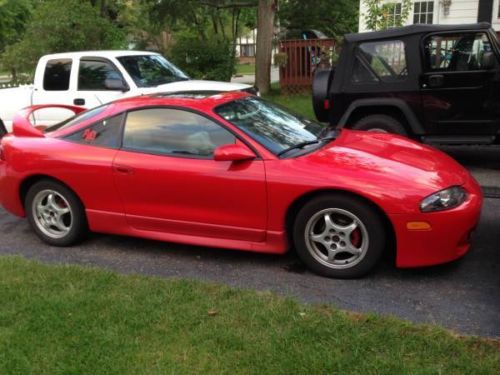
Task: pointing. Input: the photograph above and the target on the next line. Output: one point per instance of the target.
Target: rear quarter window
(384, 60)
(57, 75)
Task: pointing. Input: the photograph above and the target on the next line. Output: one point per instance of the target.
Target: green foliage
(380, 14)
(76, 320)
(334, 18)
(61, 26)
(211, 59)
(14, 14)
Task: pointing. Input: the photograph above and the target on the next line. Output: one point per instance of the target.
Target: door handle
(79, 101)
(123, 169)
(436, 80)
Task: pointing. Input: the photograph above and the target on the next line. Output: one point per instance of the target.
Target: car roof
(413, 29)
(105, 54)
(202, 100)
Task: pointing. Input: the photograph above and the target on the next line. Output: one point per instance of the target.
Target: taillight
(326, 104)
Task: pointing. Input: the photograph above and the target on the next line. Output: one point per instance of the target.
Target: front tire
(55, 213)
(339, 236)
(380, 123)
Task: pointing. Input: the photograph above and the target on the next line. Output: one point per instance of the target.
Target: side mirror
(488, 60)
(233, 152)
(115, 85)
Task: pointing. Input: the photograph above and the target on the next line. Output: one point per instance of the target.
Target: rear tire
(339, 236)
(55, 213)
(381, 123)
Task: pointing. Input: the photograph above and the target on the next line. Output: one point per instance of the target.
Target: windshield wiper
(298, 145)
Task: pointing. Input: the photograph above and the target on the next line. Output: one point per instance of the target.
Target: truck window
(456, 52)
(57, 74)
(387, 59)
(93, 73)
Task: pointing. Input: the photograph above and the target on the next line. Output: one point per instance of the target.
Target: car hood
(384, 165)
(197, 85)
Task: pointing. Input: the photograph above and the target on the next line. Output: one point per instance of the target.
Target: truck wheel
(380, 123)
(339, 236)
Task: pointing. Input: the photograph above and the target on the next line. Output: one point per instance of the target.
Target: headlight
(444, 199)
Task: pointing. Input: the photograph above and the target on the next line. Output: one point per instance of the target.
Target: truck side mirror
(488, 60)
(116, 85)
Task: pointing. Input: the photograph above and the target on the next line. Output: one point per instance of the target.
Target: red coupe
(234, 171)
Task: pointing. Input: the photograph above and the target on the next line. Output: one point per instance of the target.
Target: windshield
(151, 70)
(271, 126)
(82, 116)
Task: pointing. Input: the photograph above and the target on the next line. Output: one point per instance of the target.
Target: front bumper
(448, 238)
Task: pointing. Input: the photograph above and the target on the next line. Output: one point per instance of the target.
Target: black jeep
(434, 83)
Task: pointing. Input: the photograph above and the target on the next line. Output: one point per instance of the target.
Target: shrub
(212, 59)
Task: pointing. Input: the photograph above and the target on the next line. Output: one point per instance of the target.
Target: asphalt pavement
(463, 296)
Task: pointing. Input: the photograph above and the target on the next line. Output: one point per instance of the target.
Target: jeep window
(386, 59)
(456, 52)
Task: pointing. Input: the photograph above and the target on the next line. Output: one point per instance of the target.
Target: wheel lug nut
(342, 243)
(333, 247)
(332, 231)
(327, 238)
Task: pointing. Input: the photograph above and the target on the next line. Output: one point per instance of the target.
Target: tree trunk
(265, 30)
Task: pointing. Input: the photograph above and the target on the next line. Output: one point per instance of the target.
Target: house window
(394, 16)
(247, 50)
(423, 12)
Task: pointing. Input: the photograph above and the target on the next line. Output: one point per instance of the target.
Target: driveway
(463, 295)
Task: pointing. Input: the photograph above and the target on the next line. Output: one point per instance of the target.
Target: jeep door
(459, 75)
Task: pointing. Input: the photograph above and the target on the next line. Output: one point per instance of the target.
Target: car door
(456, 86)
(169, 181)
(99, 82)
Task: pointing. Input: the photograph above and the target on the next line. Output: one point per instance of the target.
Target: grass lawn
(300, 104)
(245, 68)
(71, 319)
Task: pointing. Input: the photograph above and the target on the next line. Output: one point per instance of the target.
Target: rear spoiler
(22, 126)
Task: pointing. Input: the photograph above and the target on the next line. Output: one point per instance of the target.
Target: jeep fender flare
(413, 122)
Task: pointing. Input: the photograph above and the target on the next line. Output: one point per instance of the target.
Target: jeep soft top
(434, 83)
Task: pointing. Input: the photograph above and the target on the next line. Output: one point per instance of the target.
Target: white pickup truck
(92, 78)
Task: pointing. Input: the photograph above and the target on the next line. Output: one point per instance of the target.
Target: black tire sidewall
(384, 122)
(370, 218)
(79, 220)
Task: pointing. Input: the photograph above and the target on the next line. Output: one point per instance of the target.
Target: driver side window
(93, 74)
(173, 132)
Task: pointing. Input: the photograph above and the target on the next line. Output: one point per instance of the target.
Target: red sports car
(234, 171)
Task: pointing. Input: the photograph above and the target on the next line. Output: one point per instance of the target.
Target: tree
(265, 32)
(14, 15)
(381, 15)
(59, 26)
(334, 18)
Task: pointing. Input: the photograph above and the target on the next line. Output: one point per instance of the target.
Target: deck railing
(302, 58)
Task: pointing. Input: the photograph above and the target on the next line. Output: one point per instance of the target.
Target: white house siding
(460, 11)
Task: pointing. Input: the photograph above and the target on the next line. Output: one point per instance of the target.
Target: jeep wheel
(380, 123)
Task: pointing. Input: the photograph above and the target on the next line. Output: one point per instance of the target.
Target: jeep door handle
(79, 101)
(436, 80)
